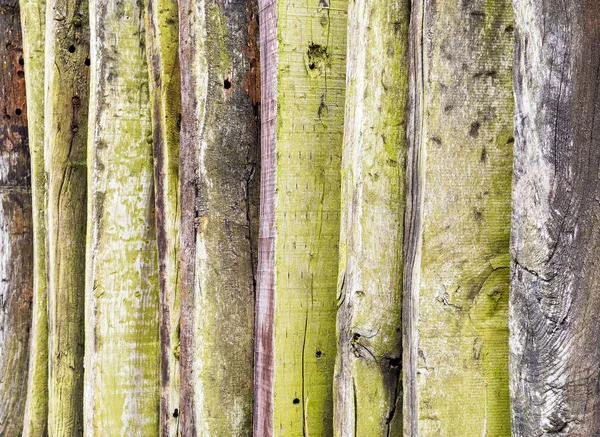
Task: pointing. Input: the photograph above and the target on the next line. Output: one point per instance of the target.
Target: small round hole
(226, 84)
(71, 49)
(21, 74)
(21, 61)
(176, 413)
(87, 62)
(296, 401)
(312, 66)
(18, 111)
(319, 354)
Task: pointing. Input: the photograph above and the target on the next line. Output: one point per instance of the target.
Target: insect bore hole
(226, 84)
(18, 111)
(71, 49)
(296, 401)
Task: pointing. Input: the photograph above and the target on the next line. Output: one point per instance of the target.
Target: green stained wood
(296, 341)
(368, 381)
(165, 98)
(458, 220)
(122, 360)
(33, 13)
(65, 147)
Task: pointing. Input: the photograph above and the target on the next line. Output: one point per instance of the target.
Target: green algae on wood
(300, 215)
(368, 381)
(65, 147)
(16, 238)
(165, 98)
(458, 218)
(122, 359)
(219, 202)
(33, 13)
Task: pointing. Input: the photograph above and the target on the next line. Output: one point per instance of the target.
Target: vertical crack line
(355, 434)
(413, 211)
(250, 169)
(304, 403)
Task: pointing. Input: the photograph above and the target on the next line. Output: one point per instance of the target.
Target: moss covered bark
(33, 13)
(296, 344)
(458, 215)
(219, 189)
(368, 383)
(122, 360)
(65, 145)
(16, 239)
(165, 98)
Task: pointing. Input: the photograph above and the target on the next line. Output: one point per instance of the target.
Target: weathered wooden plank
(65, 152)
(165, 98)
(122, 359)
(16, 245)
(555, 279)
(33, 13)
(298, 260)
(368, 381)
(219, 203)
(457, 222)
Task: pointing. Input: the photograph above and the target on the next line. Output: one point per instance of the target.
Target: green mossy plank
(165, 98)
(122, 360)
(33, 13)
(368, 382)
(456, 293)
(311, 90)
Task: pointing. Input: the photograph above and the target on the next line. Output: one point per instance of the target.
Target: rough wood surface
(16, 239)
(555, 277)
(165, 97)
(458, 219)
(368, 380)
(65, 147)
(33, 13)
(296, 293)
(219, 202)
(122, 359)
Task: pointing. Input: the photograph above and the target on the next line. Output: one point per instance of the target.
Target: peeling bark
(16, 245)
(165, 97)
(368, 381)
(303, 58)
(122, 359)
(554, 303)
(219, 182)
(33, 13)
(457, 221)
(65, 147)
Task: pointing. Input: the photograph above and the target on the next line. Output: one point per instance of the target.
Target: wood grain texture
(368, 381)
(165, 97)
(458, 220)
(33, 13)
(305, 88)
(555, 279)
(122, 355)
(65, 153)
(16, 240)
(219, 192)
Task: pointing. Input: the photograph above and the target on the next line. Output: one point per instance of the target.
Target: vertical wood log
(16, 239)
(122, 360)
(33, 13)
(165, 98)
(555, 278)
(303, 57)
(368, 381)
(65, 147)
(456, 265)
(219, 200)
